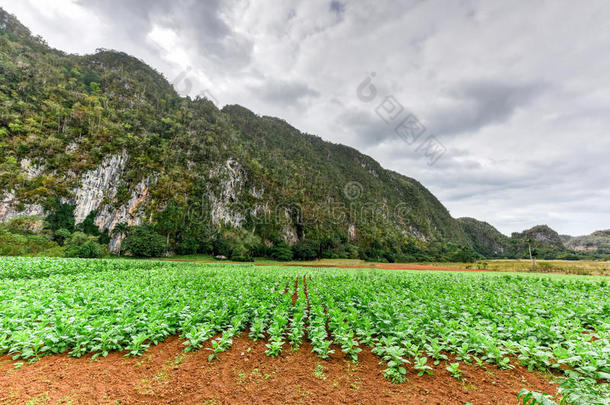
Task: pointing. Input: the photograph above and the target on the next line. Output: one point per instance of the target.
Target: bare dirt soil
(386, 266)
(245, 375)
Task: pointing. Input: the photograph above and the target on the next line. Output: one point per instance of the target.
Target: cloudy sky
(516, 93)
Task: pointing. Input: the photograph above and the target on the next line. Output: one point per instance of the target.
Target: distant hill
(542, 234)
(486, 239)
(598, 241)
(545, 242)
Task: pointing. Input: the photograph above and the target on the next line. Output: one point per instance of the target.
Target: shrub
(236, 243)
(61, 216)
(240, 254)
(14, 244)
(141, 241)
(462, 255)
(222, 247)
(88, 226)
(25, 225)
(61, 235)
(188, 246)
(352, 251)
(306, 250)
(82, 245)
(281, 252)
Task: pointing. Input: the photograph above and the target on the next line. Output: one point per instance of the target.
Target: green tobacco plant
(544, 322)
(421, 365)
(454, 370)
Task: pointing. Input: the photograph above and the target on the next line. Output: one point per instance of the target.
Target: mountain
(102, 143)
(542, 234)
(598, 241)
(105, 139)
(486, 239)
(545, 242)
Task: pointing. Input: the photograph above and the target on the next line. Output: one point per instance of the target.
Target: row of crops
(411, 320)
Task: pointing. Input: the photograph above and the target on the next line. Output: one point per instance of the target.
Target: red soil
(386, 266)
(245, 375)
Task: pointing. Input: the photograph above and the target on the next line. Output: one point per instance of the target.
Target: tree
(82, 245)
(88, 226)
(306, 250)
(281, 252)
(61, 216)
(142, 241)
(236, 243)
(61, 235)
(188, 246)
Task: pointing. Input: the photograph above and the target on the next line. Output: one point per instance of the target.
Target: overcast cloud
(517, 91)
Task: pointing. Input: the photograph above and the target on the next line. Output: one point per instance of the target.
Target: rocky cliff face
(541, 234)
(10, 208)
(97, 191)
(97, 185)
(224, 204)
(597, 241)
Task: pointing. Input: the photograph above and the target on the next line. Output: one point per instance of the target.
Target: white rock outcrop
(131, 213)
(9, 209)
(98, 184)
(232, 179)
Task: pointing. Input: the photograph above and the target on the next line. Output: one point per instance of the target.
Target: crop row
(408, 319)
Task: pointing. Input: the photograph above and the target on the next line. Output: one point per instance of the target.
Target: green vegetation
(597, 242)
(82, 245)
(545, 242)
(542, 322)
(141, 241)
(23, 237)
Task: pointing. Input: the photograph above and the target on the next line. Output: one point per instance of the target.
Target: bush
(352, 251)
(25, 225)
(14, 244)
(61, 235)
(141, 241)
(88, 226)
(188, 246)
(281, 252)
(306, 250)
(222, 247)
(61, 216)
(241, 254)
(462, 255)
(82, 245)
(236, 243)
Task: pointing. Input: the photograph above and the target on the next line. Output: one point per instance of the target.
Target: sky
(500, 108)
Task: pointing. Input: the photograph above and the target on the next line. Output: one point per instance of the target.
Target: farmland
(413, 323)
(576, 267)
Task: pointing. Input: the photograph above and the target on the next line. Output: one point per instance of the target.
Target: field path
(385, 266)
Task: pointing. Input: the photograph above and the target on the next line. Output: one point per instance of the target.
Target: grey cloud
(337, 7)
(284, 92)
(477, 104)
(370, 129)
(198, 23)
